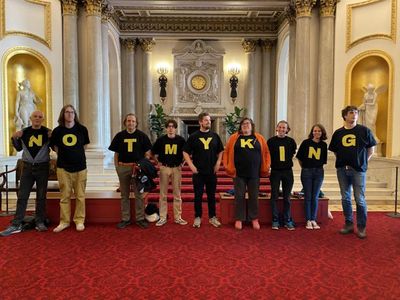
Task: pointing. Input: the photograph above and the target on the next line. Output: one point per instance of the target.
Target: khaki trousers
(72, 182)
(125, 182)
(175, 174)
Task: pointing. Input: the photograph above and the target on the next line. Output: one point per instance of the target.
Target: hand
(49, 133)
(216, 168)
(194, 169)
(17, 134)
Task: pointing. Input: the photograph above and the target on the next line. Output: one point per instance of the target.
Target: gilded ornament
(106, 12)
(304, 7)
(290, 13)
(327, 8)
(147, 45)
(70, 7)
(93, 7)
(249, 45)
(267, 44)
(129, 44)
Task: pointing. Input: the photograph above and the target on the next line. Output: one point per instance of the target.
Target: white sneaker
(309, 225)
(197, 222)
(161, 222)
(80, 227)
(180, 221)
(214, 222)
(61, 227)
(315, 225)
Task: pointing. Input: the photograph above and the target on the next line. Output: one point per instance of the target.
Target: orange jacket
(228, 158)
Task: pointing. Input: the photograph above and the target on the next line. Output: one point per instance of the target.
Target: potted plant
(232, 120)
(157, 119)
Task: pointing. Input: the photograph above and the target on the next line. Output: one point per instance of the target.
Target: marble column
(326, 64)
(147, 46)
(106, 111)
(128, 75)
(70, 52)
(251, 103)
(91, 106)
(266, 103)
(301, 106)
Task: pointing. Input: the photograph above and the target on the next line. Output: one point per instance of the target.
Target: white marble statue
(369, 108)
(215, 82)
(25, 104)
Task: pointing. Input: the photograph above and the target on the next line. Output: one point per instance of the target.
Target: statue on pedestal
(25, 104)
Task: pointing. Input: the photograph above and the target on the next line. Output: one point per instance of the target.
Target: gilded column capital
(327, 8)
(93, 7)
(290, 13)
(249, 45)
(69, 7)
(304, 7)
(128, 43)
(106, 12)
(147, 45)
(267, 44)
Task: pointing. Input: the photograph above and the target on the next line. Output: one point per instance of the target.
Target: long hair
(253, 126)
(61, 118)
(323, 135)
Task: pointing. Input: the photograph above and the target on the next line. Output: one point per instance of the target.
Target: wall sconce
(162, 69)
(233, 70)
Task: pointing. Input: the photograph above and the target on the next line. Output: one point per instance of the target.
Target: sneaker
(315, 225)
(290, 226)
(80, 227)
(275, 225)
(180, 221)
(161, 222)
(41, 227)
(309, 225)
(361, 233)
(347, 228)
(197, 222)
(123, 224)
(60, 227)
(238, 225)
(256, 224)
(214, 222)
(142, 224)
(11, 230)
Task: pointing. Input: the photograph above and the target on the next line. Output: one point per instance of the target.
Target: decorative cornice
(267, 44)
(290, 13)
(106, 12)
(304, 7)
(147, 45)
(69, 7)
(93, 7)
(172, 25)
(128, 43)
(327, 8)
(249, 45)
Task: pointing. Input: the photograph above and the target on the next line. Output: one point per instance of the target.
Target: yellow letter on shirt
(316, 153)
(130, 144)
(171, 149)
(349, 140)
(282, 153)
(33, 140)
(69, 140)
(206, 142)
(244, 143)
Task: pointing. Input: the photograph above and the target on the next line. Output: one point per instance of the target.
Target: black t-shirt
(169, 150)
(351, 147)
(204, 148)
(247, 157)
(34, 139)
(130, 147)
(282, 151)
(312, 154)
(71, 151)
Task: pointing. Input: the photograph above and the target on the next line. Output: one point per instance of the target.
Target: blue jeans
(311, 178)
(348, 178)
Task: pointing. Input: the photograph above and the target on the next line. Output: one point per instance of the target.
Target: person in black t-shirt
(130, 146)
(34, 143)
(69, 140)
(353, 146)
(206, 149)
(168, 151)
(282, 149)
(312, 156)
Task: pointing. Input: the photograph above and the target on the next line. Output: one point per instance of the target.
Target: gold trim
(47, 23)
(393, 24)
(49, 107)
(349, 71)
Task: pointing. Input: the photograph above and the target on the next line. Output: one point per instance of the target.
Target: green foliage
(232, 120)
(157, 120)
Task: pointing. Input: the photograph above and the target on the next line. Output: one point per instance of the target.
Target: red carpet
(180, 262)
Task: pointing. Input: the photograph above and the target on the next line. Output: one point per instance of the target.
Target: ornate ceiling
(218, 18)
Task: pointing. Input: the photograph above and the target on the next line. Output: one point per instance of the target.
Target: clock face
(198, 82)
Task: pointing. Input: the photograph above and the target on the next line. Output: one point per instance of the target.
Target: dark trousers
(252, 185)
(210, 182)
(38, 173)
(286, 177)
